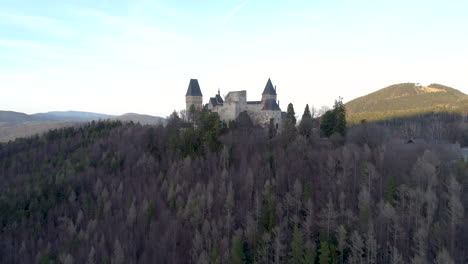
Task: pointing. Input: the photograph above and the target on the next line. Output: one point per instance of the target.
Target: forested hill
(111, 192)
(406, 99)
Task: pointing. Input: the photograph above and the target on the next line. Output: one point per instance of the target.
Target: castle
(260, 112)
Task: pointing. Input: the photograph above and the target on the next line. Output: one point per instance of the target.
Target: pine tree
(237, 251)
(334, 121)
(327, 123)
(340, 117)
(305, 127)
(296, 255)
(309, 253)
(289, 124)
(291, 115)
(324, 253)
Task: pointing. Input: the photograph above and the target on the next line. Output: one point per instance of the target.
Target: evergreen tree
(192, 113)
(309, 253)
(289, 124)
(327, 123)
(267, 216)
(340, 116)
(306, 113)
(324, 252)
(237, 251)
(334, 121)
(173, 125)
(291, 115)
(296, 255)
(305, 127)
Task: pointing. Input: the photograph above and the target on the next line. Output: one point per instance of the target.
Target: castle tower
(194, 95)
(269, 92)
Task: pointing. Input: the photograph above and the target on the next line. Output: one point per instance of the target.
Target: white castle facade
(260, 112)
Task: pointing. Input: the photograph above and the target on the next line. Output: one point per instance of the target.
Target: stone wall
(236, 102)
(197, 101)
(263, 117)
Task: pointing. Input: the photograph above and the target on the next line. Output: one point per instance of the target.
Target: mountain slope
(113, 192)
(16, 117)
(406, 99)
(142, 119)
(17, 125)
(71, 116)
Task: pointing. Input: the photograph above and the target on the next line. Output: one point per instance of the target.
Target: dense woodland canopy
(124, 193)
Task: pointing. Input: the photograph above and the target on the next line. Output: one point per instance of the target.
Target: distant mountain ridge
(142, 119)
(71, 116)
(406, 99)
(12, 117)
(14, 124)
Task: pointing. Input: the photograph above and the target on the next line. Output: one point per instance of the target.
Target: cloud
(43, 25)
(235, 10)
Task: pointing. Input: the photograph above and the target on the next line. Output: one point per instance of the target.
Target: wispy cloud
(39, 24)
(235, 10)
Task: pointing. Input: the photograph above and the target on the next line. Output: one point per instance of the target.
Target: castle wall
(253, 107)
(236, 102)
(263, 117)
(197, 101)
(227, 111)
(254, 112)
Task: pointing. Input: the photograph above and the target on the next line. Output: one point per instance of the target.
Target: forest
(317, 191)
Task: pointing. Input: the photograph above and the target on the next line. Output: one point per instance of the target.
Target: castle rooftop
(193, 88)
(269, 89)
(270, 104)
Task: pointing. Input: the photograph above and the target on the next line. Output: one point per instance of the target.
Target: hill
(142, 119)
(17, 125)
(11, 117)
(406, 99)
(71, 116)
(114, 192)
(16, 117)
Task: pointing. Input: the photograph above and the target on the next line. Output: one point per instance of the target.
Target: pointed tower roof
(269, 89)
(193, 88)
(270, 104)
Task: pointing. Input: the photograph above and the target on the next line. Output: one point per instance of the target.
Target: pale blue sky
(138, 56)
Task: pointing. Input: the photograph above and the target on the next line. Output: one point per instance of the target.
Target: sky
(120, 56)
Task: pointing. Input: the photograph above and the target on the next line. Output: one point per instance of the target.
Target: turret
(269, 92)
(194, 95)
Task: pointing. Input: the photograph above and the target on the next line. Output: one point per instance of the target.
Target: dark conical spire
(193, 88)
(269, 89)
